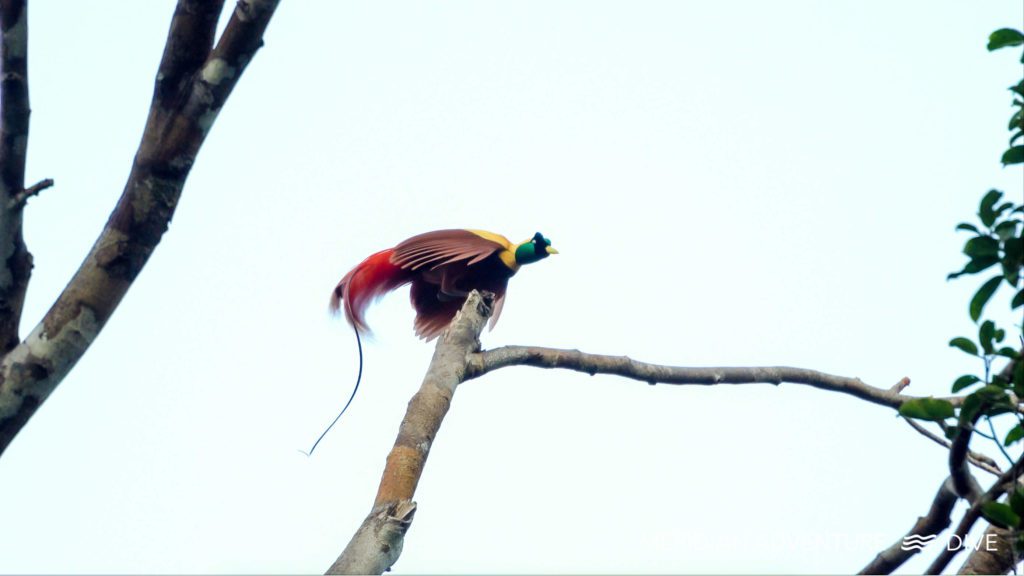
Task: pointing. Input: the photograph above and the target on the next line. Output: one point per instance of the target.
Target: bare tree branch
(998, 558)
(626, 367)
(188, 45)
(934, 522)
(190, 90)
(1005, 482)
(15, 259)
(377, 543)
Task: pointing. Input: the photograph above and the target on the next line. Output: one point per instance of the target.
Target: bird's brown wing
(434, 313)
(434, 249)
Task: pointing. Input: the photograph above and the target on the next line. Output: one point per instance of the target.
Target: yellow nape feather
(508, 255)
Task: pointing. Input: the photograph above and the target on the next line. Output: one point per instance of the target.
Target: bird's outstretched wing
(441, 247)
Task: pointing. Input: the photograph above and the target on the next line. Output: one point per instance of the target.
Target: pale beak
(551, 250)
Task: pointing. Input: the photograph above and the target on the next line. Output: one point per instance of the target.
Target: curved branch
(964, 483)
(377, 543)
(490, 360)
(184, 107)
(931, 524)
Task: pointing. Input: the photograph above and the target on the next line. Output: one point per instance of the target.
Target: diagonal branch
(15, 259)
(626, 367)
(377, 543)
(180, 117)
(934, 522)
(995, 557)
(1005, 482)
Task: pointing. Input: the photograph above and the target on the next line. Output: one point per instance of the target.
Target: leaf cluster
(995, 242)
(1008, 38)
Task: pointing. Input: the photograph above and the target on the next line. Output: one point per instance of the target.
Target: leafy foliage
(995, 245)
(1006, 38)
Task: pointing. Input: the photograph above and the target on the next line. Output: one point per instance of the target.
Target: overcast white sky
(729, 183)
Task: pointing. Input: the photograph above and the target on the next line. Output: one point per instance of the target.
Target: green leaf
(951, 432)
(1015, 155)
(1000, 408)
(965, 345)
(1019, 88)
(1007, 352)
(1015, 434)
(991, 394)
(1018, 300)
(990, 400)
(970, 409)
(1013, 260)
(1000, 514)
(999, 335)
(1018, 380)
(1016, 136)
(985, 208)
(981, 246)
(964, 381)
(927, 409)
(1011, 271)
(974, 266)
(1004, 37)
(1006, 230)
(1016, 120)
(982, 296)
(1014, 249)
(986, 333)
(1017, 499)
(966, 226)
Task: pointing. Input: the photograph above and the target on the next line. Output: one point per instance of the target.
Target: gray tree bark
(193, 82)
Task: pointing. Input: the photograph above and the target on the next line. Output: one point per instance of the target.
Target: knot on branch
(378, 542)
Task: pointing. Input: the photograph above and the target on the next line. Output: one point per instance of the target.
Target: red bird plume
(370, 280)
(443, 267)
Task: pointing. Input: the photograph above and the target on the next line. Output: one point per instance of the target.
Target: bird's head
(534, 249)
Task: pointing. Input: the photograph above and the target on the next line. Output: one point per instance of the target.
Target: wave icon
(915, 542)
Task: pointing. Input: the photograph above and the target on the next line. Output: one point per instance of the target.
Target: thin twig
(20, 197)
(977, 459)
(900, 386)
